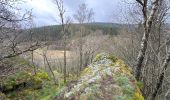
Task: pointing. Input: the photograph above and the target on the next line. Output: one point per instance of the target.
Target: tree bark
(61, 10)
(65, 58)
(162, 75)
(148, 20)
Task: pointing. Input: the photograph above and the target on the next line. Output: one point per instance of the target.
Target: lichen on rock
(107, 78)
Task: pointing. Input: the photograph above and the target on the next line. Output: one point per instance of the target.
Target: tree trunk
(64, 58)
(161, 77)
(148, 20)
(56, 83)
(32, 53)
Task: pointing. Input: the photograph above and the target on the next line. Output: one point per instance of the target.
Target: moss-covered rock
(107, 78)
(23, 80)
(3, 96)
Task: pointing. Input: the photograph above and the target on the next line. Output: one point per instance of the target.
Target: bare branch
(140, 2)
(31, 48)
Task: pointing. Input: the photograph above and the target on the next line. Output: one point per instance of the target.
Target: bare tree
(156, 49)
(162, 75)
(65, 23)
(83, 16)
(148, 17)
(10, 31)
(49, 66)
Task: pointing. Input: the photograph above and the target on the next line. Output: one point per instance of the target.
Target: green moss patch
(23, 80)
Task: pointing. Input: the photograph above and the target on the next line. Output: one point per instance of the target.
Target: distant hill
(53, 32)
(107, 24)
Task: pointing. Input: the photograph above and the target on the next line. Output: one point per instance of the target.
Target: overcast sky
(45, 11)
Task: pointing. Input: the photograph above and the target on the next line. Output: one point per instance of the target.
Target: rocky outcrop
(107, 78)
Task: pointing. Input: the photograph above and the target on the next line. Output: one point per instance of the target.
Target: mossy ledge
(107, 78)
(21, 81)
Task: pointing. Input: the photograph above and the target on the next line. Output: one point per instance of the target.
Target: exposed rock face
(107, 78)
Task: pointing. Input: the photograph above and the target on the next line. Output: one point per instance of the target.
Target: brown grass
(51, 54)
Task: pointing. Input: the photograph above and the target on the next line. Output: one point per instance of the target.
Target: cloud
(46, 12)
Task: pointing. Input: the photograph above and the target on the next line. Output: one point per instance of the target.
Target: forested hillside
(84, 50)
(54, 32)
